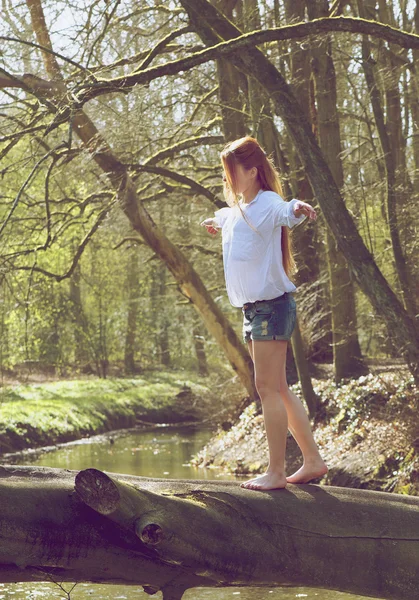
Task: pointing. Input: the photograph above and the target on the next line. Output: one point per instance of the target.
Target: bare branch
(298, 31)
(7, 38)
(26, 183)
(108, 17)
(102, 215)
(162, 44)
(188, 143)
(198, 247)
(193, 185)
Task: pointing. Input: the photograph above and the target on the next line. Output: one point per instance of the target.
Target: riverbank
(35, 415)
(369, 435)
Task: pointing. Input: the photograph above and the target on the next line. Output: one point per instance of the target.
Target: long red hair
(247, 152)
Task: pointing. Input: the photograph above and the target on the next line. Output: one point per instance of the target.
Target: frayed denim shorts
(269, 319)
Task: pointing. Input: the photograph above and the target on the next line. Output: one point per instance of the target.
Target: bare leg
(267, 356)
(299, 425)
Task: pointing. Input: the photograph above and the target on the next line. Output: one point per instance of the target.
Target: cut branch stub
(118, 501)
(150, 589)
(98, 491)
(196, 530)
(149, 533)
(123, 503)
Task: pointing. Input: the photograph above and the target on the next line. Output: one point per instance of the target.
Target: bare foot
(308, 472)
(268, 481)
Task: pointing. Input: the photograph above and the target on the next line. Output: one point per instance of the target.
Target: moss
(407, 489)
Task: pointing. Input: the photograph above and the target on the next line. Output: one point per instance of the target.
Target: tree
(124, 174)
(403, 331)
(120, 179)
(172, 535)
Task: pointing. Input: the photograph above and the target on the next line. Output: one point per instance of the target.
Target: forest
(113, 116)
(101, 276)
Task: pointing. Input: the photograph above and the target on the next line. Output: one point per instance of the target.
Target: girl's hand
(302, 208)
(211, 226)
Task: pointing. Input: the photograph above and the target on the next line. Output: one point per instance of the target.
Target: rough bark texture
(172, 535)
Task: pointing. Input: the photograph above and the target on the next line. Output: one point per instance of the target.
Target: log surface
(172, 535)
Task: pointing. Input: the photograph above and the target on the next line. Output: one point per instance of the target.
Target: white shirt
(253, 259)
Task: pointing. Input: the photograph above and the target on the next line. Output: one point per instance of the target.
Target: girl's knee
(266, 388)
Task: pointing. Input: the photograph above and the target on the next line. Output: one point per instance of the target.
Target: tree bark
(403, 331)
(308, 240)
(229, 96)
(173, 535)
(347, 358)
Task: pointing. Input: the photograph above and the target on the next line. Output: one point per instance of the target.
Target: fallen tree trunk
(172, 535)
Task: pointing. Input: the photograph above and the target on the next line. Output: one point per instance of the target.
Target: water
(159, 453)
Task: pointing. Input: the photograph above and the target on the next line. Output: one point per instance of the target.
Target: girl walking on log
(257, 261)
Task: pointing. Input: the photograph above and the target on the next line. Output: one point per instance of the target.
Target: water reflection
(157, 453)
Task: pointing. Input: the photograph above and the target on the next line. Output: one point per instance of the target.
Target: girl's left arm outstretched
(302, 208)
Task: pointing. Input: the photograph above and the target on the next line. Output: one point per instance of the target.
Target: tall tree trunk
(414, 102)
(229, 94)
(198, 338)
(393, 145)
(188, 280)
(403, 331)
(163, 338)
(309, 395)
(307, 240)
(133, 277)
(81, 356)
(347, 358)
(4, 328)
(162, 318)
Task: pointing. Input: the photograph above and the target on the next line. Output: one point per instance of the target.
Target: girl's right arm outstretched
(211, 225)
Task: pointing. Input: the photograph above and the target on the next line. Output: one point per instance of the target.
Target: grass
(58, 411)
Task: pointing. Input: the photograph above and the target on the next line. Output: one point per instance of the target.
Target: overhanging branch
(289, 32)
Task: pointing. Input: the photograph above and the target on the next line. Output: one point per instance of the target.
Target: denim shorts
(269, 319)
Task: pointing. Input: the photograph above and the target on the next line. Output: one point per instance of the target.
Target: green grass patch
(39, 414)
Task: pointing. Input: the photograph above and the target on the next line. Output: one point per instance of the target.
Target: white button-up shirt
(253, 259)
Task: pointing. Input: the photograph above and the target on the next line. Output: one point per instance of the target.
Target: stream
(161, 452)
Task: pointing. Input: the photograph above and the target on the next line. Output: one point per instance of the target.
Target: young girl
(257, 261)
